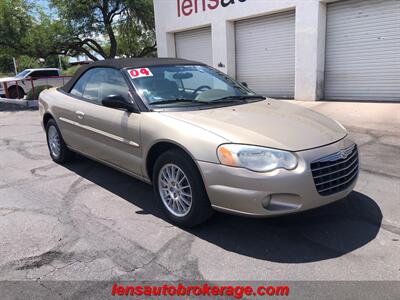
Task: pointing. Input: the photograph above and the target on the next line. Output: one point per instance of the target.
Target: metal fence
(32, 86)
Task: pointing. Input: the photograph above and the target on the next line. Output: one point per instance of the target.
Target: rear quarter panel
(59, 106)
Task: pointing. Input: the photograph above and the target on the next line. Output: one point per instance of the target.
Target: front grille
(335, 172)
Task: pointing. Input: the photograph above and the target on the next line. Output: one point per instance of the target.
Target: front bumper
(279, 192)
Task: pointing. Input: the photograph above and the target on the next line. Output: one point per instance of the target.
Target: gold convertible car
(202, 139)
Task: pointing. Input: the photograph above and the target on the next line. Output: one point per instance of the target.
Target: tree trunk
(108, 26)
(113, 40)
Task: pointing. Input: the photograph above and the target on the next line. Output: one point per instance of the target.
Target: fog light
(283, 202)
(265, 202)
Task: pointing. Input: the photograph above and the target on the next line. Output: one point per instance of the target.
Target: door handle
(80, 114)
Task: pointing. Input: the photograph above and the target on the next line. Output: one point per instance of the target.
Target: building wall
(310, 33)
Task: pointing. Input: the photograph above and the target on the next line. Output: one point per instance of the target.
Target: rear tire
(59, 151)
(180, 190)
(14, 92)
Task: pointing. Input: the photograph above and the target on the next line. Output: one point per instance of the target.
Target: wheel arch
(161, 146)
(46, 117)
(14, 86)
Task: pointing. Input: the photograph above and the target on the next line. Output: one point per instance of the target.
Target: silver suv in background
(19, 85)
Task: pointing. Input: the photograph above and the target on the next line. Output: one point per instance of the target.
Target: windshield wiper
(177, 100)
(242, 98)
(227, 99)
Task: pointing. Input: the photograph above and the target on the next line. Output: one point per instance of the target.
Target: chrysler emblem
(343, 154)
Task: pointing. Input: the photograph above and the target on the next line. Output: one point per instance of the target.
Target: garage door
(363, 50)
(265, 49)
(194, 45)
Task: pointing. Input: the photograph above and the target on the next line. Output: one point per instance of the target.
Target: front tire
(180, 189)
(15, 92)
(59, 151)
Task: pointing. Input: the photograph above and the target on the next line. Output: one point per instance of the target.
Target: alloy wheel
(175, 190)
(54, 141)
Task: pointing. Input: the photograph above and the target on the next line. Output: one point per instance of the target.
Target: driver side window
(98, 83)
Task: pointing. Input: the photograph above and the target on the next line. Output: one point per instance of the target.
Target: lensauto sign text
(188, 7)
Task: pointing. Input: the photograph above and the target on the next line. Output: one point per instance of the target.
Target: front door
(109, 134)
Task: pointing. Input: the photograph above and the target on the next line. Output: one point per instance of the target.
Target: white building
(302, 49)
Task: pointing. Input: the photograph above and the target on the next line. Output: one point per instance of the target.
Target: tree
(15, 21)
(27, 34)
(96, 28)
(46, 36)
(134, 40)
(106, 28)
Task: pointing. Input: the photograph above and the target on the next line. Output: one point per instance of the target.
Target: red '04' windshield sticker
(141, 72)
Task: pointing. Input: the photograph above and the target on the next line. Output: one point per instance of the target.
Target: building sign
(189, 7)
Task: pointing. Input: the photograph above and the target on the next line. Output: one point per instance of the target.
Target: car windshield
(22, 74)
(187, 85)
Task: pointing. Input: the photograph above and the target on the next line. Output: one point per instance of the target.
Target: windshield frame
(26, 72)
(192, 106)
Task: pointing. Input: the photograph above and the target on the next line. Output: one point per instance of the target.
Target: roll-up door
(363, 50)
(265, 54)
(195, 45)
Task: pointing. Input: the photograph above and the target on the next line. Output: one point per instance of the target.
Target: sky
(43, 3)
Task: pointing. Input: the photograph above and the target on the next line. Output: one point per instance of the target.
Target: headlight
(255, 158)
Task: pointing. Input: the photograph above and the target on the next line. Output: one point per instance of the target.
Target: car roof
(121, 63)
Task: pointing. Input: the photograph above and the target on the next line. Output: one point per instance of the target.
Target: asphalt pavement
(86, 221)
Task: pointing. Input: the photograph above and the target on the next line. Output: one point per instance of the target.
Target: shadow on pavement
(324, 233)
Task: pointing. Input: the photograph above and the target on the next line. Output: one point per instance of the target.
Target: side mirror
(118, 101)
(244, 84)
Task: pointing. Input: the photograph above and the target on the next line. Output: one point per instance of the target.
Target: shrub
(38, 90)
(70, 71)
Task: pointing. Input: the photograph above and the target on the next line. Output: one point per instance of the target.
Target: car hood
(9, 79)
(269, 123)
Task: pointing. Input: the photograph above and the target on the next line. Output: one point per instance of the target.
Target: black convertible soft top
(121, 63)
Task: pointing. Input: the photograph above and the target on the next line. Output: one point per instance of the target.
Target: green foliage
(106, 28)
(70, 71)
(45, 36)
(134, 39)
(6, 75)
(38, 90)
(15, 21)
(27, 38)
(27, 62)
(96, 28)
(53, 61)
(6, 65)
